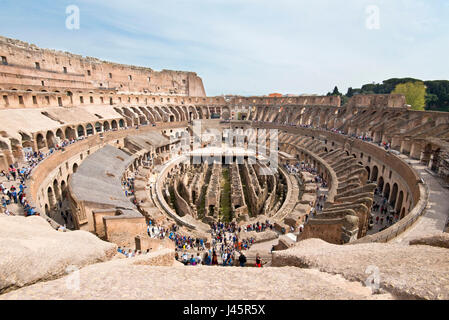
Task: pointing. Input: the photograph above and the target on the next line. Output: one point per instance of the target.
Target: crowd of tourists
(210, 258)
(130, 253)
(21, 174)
(12, 194)
(128, 185)
(382, 214)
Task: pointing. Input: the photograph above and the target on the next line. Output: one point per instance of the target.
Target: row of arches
(56, 203)
(49, 140)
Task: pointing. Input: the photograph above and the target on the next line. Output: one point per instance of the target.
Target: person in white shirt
(198, 259)
(224, 256)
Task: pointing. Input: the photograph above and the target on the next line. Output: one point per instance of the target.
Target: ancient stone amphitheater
(86, 127)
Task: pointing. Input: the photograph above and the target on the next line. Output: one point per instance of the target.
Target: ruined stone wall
(373, 100)
(122, 231)
(144, 242)
(213, 190)
(182, 207)
(27, 64)
(327, 230)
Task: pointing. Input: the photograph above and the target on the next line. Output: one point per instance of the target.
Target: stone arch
(40, 141)
(98, 127)
(51, 198)
(50, 137)
(121, 123)
(403, 213)
(155, 114)
(106, 126)
(57, 190)
(368, 169)
(63, 187)
(181, 113)
(199, 112)
(89, 129)
(114, 124)
(70, 95)
(70, 133)
(149, 113)
(74, 167)
(387, 191)
(374, 173)
(226, 113)
(380, 184)
(60, 134)
(80, 131)
(148, 116)
(394, 194)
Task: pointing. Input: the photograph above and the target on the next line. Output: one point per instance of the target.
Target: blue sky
(249, 47)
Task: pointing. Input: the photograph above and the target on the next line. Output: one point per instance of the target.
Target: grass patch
(225, 199)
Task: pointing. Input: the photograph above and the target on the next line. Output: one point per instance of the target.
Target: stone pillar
(377, 137)
(396, 143)
(415, 151)
(405, 147)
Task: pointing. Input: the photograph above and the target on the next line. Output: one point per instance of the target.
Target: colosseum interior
(119, 160)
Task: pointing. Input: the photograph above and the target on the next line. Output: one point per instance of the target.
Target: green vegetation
(436, 94)
(414, 92)
(225, 199)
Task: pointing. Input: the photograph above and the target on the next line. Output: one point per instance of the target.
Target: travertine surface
(405, 271)
(260, 236)
(122, 279)
(31, 251)
(438, 240)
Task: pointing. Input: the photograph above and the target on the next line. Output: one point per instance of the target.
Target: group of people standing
(12, 194)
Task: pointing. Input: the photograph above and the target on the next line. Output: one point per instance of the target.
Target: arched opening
(98, 127)
(50, 137)
(114, 124)
(80, 130)
(380, 184)
(121, 123)
(75, 167)
(374, 174)
(60, 134)
(394, 194)
(51, 198)
(403, 213)
(40, 141)
(368, 169)
(89, 129)
(70, 95)
(172, 118)
(106, 126)
(387, 191)
(57, 191)
(70, 133)
(63, 190)
(226, 113)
